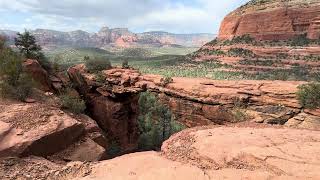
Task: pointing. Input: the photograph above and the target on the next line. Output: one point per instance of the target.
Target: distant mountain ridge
(117, 37)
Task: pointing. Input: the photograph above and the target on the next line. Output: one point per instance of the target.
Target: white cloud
(179, 19)
(139, 15)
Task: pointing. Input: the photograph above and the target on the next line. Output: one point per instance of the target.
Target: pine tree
(27, 45)
(155, 121)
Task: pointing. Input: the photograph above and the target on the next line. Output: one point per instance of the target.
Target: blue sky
(177, 16)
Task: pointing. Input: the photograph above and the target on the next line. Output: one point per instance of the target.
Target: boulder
(84, 150)
(32, 129)
(39, 74)
(305, 121)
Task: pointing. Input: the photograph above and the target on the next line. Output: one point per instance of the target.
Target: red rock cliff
(273, 20)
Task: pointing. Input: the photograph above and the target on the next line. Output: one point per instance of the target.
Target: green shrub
(100, 77)
(165, 81)
(239, 114)
(14, 83)
(98, 64)
(10, 66)
(2, 42)
(282, 56)
(257, 62)
(300, 40)
(240, 52)
(217, 52)
(311, 58)
(20, 91)
(155, 121)
(72, 103)
(244, 39)
(125, 64)
(114, 149)
(309, 95)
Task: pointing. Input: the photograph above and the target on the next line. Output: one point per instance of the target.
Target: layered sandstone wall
(273, 20)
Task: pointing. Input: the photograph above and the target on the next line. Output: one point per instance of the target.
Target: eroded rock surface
(197, 101)
(115, 109)
(42, 129)
(39, 74)
(46, 81)
(273, 20)
(199, 153)
(248, 152)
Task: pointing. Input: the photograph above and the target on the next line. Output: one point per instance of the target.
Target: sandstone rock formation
(115, 112)
(44, 80)
(197, 102)
(200, 153)
(42, 129)
(40, 75)
(273, 20)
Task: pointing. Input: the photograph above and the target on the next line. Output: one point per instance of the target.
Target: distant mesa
(117, 37)
(273, 20)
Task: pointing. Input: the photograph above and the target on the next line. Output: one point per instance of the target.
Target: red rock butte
(273, 20)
